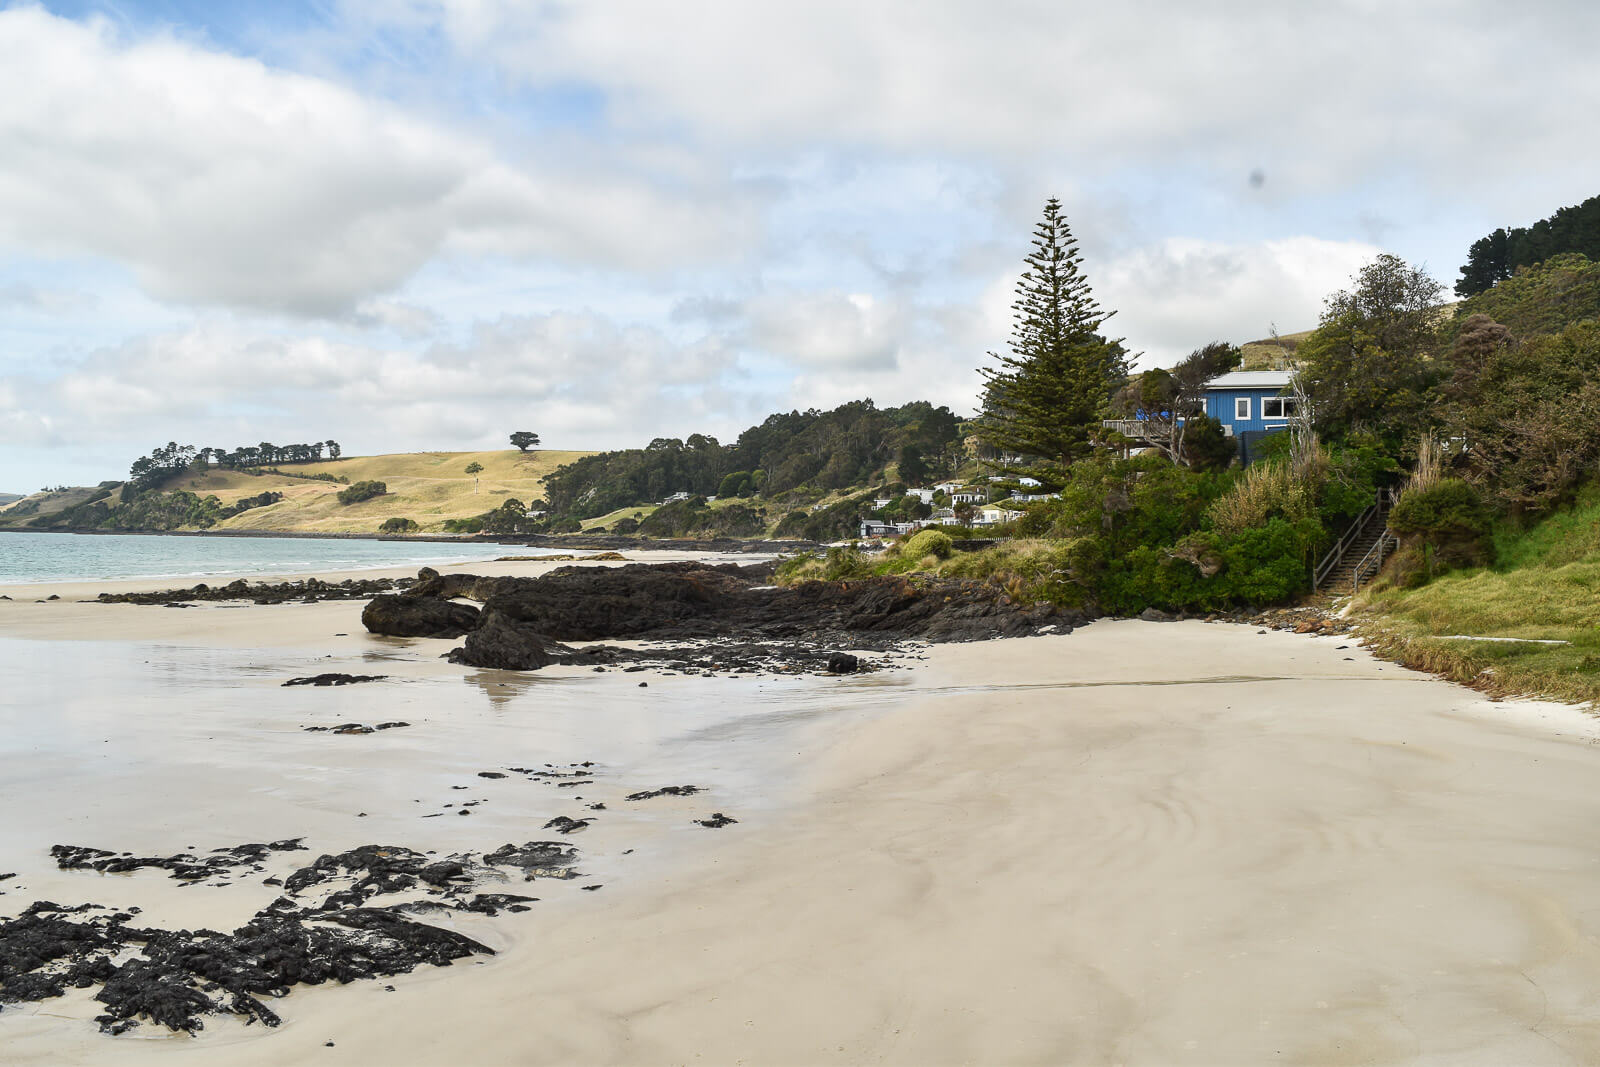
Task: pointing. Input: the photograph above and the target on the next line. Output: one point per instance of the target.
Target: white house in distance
(924, 495)
(995, 514)
(946, 488)
(970, 494)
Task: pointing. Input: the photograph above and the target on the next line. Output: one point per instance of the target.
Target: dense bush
(824, 451)
(924, 543)
(151, 510)
(398, 525)
(362, 491)
(1444, 525)
(694, 517)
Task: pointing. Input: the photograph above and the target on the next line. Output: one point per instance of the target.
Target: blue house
(1250, 401)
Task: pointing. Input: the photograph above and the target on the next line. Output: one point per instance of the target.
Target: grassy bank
(1544, 587)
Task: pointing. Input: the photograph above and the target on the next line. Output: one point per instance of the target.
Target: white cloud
(578, 379)
(25, 297)
(1182, 293)
(829, 330)
(219, 180)
(1318, 95)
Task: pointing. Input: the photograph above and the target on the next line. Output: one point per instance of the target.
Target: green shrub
(927, 543)
(1449, 507)
(398, 525)
(362, 491)
(1444, 525)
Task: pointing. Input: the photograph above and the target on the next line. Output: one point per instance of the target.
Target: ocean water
(65, 557)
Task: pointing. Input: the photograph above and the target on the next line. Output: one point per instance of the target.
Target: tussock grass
(1546, 586)
(1265, 489)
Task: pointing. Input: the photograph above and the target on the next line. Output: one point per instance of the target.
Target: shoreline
(617, 542)
(1177, 842)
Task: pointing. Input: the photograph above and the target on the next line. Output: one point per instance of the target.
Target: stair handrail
(1376, 550)
(1331, 560)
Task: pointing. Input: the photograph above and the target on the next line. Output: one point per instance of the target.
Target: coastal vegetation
(1483, 419)
(366, 491)
(1498, 256)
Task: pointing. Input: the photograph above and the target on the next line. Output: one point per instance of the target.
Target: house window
(1278, 407)
(1241, 409)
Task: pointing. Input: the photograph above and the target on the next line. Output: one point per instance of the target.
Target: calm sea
(53, 557)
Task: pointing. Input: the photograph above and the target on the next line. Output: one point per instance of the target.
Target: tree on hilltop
(1368, 365)
(474, 468)
(524, 440)
(1050, 391)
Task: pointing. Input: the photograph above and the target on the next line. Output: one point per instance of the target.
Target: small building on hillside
(1246, 401)
(970, 494)
(874, 528)
(1250, 404)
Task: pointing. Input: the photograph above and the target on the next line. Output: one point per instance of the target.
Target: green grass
(1546, 585)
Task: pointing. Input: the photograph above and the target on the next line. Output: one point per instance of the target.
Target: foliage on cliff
(854, 444)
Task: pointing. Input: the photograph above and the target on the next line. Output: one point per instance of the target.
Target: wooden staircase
(1360, 553)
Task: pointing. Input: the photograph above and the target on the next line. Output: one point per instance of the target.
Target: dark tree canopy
(1368, 365)
(1543, 298)
(1496, 257)
(1050, 391)
(823, 450)
(524, 440)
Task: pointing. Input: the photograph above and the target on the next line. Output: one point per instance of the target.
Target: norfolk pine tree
(1049, 393)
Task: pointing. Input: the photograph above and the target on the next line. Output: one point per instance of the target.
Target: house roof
(1249, 379)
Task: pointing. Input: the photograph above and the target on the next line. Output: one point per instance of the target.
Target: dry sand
(1138, 843)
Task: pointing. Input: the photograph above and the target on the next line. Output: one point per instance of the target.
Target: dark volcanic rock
(501, 644)
(717, 821)
(665, 791)
(335, 679)
(525, 619)
(843, 663)
(537, 859)
(410, 616)
(183, 866)
(311, 589)
(595, 603)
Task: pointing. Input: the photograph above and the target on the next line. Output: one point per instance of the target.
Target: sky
(423, 224)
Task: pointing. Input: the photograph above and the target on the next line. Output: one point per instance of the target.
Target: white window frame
(1241, 409)
(1283, 402)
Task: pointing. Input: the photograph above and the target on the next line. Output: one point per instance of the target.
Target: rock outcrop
(729, 617)
(406, 615)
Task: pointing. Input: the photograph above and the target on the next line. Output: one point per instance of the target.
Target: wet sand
(1138, 843)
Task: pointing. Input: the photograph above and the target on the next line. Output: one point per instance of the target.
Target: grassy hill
(426, 487)
(1544, 587)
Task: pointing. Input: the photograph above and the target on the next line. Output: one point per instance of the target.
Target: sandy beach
(1136, 843)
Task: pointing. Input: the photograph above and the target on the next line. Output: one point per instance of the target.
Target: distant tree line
(1497, 257)
(162, 463)
(821, 450)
